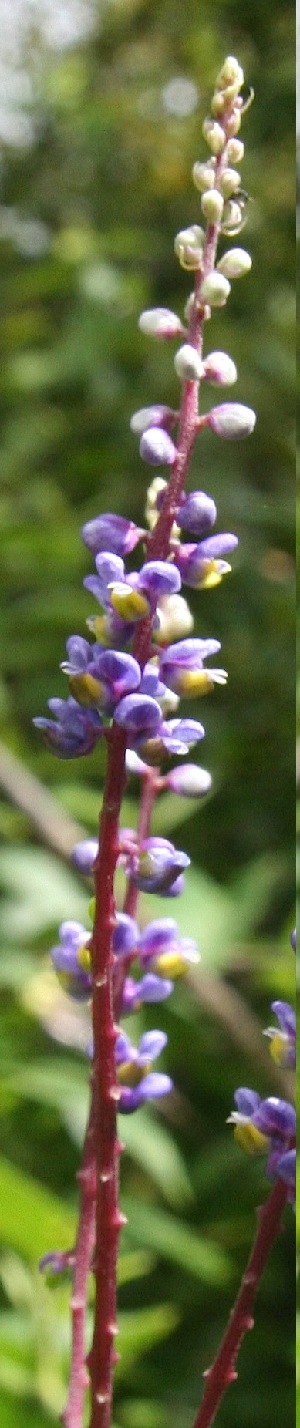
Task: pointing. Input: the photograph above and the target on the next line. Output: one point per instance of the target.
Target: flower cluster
(268, 1127)
(142, 658)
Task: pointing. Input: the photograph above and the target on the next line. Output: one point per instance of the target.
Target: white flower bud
(220, 369)
(175, 620)
(235, 263)
(230, 182)
(160, 322)
(212, 205)
(214, 135)
(203, 176)
(235, 151)
(232, 420)
(188, 364)
(189, 244)
(215, 289)
(189, 780)
(151, 416)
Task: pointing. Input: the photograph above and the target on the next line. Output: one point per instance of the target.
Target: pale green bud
(235, 151)
(215, 289)
(230, 74)
(235, 263)
(203, 176)
(212, 205)
(214, 135)
(187, 362)
(230, 182)
(189, 244)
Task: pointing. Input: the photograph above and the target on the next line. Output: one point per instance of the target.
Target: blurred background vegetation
(100, 122)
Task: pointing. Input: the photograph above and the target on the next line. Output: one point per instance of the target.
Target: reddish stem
(73, 1414)
(106, 1093)
(223, 1372)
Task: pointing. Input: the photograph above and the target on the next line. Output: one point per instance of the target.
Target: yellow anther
(250, 1138)
(86, 689)
(128, 603)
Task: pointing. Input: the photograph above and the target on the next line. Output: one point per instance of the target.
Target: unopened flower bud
(160, 322)
(232, 420)
(235, 151)
(233, 123)
(157, 448)
(212, 205)
(203, 176)
(189, 780)
(187, 362)
(214, 135)
(220, 369)
(151, 416)
(215, 289)
(235, 263)
(189, 244)
(230, 182)
(230, 73)
(175, 619)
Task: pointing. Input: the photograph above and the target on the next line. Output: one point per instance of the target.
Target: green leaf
(175, 1241)
(152, 1146)
(33, 1220)
(42, 893)
(140, 1331)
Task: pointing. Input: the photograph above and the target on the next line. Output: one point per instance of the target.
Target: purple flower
(200, 565)
(197, 513)
(263, 1126)
(140, 716)
(293, 939)
(125, 935)
(150, 989)
(163, 951)
(157, 865)
(71, 959)
(276, 1118)
(73, 732)
(182, 667)
(283, 1037)
(100, 677)
(137, 1081)
(111, 533)
(179, 735)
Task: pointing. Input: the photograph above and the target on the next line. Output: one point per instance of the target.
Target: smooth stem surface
(223, 1371)
(106, 1093)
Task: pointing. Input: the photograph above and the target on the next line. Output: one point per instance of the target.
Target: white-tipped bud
(231, 73)
(230, 182)
(189, 780)
(188, 364)
(154, 493)
(214, 290)
(235, 263)
(151, 416)
(233, 123)
(157, 448)
(235, 151)
(212, 205)
(219, 369)
(232, 420)
(214, 135)
(160, 322)
(189, 244)
(204, 176)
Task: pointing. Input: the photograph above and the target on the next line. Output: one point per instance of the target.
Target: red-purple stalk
(223, 1371)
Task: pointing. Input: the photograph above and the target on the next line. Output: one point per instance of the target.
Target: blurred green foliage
(89, 211)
